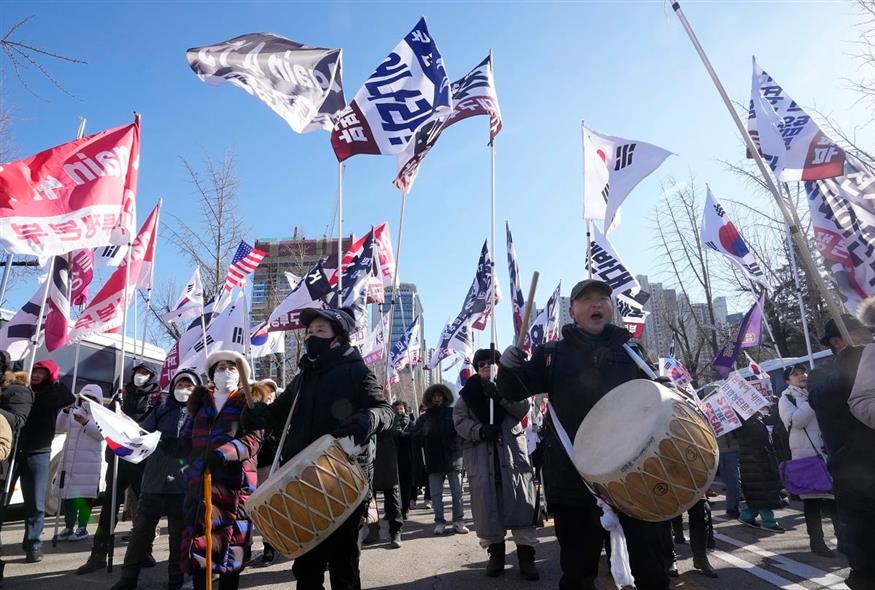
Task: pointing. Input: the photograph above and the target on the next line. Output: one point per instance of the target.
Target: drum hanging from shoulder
(644, 449)
(308, 498)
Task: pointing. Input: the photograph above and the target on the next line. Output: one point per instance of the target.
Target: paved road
(745, 559)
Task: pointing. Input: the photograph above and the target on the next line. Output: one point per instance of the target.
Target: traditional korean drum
(646, 450)
(308, 498)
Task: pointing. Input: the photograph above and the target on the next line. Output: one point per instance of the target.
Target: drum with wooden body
(309, 497)
(646, 450)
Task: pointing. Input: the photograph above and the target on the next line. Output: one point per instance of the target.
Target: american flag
(245, 261)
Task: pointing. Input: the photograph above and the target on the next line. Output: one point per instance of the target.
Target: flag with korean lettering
(309, 293)
(374, 347)
(17, 333)
(631, 311)
(76, 195)
(546, 326)
(384, 258)
(404, 351)
(474, 94)
(359, 273)
(105, 311)
(227, 331)
(843, 217)
(721, 235)
(190, 303)
(81, 275)
(478, 302)
(402, 94)
(300, 83)
(612, 167)
(606, 265)
(788, 138)
(456, 338)
(516, 293)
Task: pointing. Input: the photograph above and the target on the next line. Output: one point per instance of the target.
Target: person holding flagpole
(214, 441)
(495, 456)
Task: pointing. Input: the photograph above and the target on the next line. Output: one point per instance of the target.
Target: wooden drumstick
(527, 312)
(208, 525)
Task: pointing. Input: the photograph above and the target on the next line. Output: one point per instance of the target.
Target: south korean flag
(612, 167)
(721, 235)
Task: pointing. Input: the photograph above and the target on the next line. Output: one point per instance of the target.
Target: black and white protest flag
(843, 218)
(516, 292)
(546, 326)
(227, 331)
(300, 83)
(404, 352)
(607, 266)
(360, 271)
(612, 167)
(474, 94)
(789, 140)
(478, 302)
(721, 235)
(402, 94)
(456, 337)
(309, 293)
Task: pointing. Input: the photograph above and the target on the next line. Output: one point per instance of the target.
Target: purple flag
(748, 336)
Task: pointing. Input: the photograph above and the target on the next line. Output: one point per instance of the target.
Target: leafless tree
(210, 238)
(22, 53)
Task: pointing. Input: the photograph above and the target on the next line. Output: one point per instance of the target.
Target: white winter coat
(799, 419)
(82, 458)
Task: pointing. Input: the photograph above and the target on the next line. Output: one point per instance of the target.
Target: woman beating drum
(333, 394)
(576, 372)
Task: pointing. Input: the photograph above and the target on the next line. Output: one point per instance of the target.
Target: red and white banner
(106, 310)
(81, 275)
(71, 196)
(58, 304)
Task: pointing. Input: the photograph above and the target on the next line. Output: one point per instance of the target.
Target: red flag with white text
(71, 196)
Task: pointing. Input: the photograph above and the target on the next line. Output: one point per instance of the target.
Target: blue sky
(627, 68)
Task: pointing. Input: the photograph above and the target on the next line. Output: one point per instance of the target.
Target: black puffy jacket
(436, 436)
(330, 390)
(583, 369)
(758, 464)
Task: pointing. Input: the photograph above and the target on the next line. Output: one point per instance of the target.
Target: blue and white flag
(406, 351)
(789, 140)
(403, 93)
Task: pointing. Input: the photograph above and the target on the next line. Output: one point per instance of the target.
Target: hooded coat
(49, 397)
(206, 431)
(758, 465)
(435, 434)
(509, 503)
(16, 400)
(78, 473)
(136, 401)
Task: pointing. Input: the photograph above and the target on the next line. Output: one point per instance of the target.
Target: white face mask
(225, 381)
(181, 394)
(140, 379)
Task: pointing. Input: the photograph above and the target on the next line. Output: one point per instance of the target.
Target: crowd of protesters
(491, 435)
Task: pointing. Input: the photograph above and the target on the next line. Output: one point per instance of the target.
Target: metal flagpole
(810, 267)
(7, 272)
(492, 330)
(395, 281)
(794, 268)
(589, 248)
(339, 231)
(120, 368)
(247, 341)
(38, 326)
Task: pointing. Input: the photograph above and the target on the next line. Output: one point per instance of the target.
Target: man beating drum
(577, 371)
(334, 393)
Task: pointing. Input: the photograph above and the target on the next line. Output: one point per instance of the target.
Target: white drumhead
(620, 427)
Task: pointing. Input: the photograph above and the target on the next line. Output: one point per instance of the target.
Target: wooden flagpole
(208, 526)
(808, 262)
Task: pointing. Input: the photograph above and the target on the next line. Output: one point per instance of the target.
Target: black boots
(702, 564)
(495, 565)
(818, 547)
(95, 562)
(526, 556)
(125, 584)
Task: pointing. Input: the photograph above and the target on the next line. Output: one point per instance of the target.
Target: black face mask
(316, 346)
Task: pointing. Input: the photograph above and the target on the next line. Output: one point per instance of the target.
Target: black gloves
(255, 418)
(358, 426)
(489, 432)
(169, 446)
(213, 460)
(489, 389)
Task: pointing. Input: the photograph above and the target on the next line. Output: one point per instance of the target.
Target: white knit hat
(229, 355)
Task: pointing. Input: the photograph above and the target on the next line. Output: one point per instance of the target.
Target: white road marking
(796, 568)
(757, 571)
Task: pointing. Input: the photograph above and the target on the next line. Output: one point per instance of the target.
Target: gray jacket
(516, 507)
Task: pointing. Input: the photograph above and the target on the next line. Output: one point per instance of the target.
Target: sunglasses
(484, 364)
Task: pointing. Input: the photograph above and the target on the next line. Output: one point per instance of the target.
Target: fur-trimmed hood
(15, 378)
